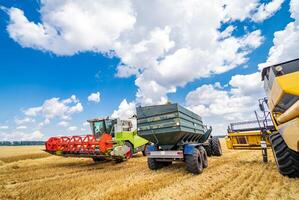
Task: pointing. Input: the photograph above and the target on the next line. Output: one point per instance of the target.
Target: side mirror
(262, 108)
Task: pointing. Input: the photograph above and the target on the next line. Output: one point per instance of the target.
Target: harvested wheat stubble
(235, 175)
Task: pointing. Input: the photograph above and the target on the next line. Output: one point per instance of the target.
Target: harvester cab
(109, 126)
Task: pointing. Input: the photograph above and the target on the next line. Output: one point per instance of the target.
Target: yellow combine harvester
(246, 135)
(279, 127)
(281, 82)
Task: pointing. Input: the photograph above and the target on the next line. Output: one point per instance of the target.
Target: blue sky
(33, 72)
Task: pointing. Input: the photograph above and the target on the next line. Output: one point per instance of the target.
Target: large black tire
(194, 162)
(208, 148)
(204, 157)
(216, 146)
(287, 160)
(131, 148)
(153, 164)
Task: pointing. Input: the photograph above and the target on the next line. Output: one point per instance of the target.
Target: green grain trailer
(176, 133)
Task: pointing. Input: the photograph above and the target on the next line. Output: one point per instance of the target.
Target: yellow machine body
(282, 87)
(245, 140)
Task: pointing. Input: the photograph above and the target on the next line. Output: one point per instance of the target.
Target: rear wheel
(216, 146)
(153, 164)
(208, 148)
(204, 157)
(194, 162)
(287, 160)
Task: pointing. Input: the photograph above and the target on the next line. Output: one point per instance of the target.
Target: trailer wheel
(194, 162)
(204, 156)
(153, 164)
(287, 160)
(216, 147)
(128, 144)
(208, 148)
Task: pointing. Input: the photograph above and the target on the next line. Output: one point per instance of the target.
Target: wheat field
(29, 173)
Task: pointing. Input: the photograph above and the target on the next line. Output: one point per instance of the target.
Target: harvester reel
(53, 144)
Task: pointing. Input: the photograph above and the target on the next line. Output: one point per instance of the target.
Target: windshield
(98, 128)
(108, 123)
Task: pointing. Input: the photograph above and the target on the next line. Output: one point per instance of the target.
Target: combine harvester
(110, 139)
(247, 134)
(281, 83)
(176, 134)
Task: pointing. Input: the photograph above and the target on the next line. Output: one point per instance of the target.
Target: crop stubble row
(235, 175)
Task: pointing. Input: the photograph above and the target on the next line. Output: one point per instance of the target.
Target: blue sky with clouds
(63, 62)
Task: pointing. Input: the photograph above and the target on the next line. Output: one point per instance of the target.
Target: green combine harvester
(110, 139)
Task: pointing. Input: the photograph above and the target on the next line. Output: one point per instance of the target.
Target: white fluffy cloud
(220, 106)
(4, 127)
(24, 120)
(21, 127)
(286, 41)
(164, 51)
(71, 26)
(55, 107)
(63, 124)
(125, 110)
(73, 128)
(265, 11)
(95, 97)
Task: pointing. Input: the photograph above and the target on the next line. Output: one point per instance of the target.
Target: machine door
(98, 128)
(109, 123)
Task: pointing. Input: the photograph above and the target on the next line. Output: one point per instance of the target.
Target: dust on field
(235, 175)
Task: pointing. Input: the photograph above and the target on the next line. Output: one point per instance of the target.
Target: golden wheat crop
(235, 175)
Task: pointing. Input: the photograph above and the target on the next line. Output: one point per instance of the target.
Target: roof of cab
(264, 71)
